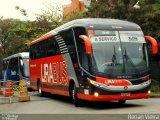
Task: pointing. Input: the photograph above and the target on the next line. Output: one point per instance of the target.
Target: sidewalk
(8, 100)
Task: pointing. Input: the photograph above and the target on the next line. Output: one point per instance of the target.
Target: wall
(75, 5)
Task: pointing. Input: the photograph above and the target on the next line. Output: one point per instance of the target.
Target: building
(76, 5)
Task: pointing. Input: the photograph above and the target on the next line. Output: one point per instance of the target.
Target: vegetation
(146, 13)
(155, 89)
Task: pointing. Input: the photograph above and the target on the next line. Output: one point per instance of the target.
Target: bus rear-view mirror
(87, 43)
(153, 43)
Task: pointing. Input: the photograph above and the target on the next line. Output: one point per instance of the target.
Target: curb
(9, 100)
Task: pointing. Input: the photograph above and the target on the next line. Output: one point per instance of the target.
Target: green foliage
(16, 35)
(48, 20)
(13, 34)
(146, 13)
(155, 89)
(155, 70)
(23, 11)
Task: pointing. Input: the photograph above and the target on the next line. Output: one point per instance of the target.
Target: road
(54, 104)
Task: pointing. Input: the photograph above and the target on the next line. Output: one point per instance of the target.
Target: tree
(5, 27)
(48, 20)
(146, 13)
(14, 33)
(23, 11)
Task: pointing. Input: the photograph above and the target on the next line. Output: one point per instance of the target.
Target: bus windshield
(119, 52)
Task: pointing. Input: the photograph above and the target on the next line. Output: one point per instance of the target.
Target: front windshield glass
(119, 53)
(134, 51)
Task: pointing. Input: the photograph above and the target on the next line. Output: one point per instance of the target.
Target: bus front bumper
(122, 96)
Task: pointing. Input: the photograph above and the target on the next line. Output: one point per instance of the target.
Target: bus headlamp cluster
(120, 88)
(149, 92)
(96, 94)
(97, 84)
(92, 82)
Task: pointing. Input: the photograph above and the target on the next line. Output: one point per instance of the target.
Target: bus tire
(40, 92)
(121, 102)
(76, 100)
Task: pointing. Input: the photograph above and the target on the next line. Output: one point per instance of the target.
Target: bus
(16, 67)
(93, 59)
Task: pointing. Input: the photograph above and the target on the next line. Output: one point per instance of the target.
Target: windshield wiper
(114, 57)
(127, 57)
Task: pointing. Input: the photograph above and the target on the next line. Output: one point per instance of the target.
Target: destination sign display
(116, 36)
(104, 33)
(132, 36)
(105, 39)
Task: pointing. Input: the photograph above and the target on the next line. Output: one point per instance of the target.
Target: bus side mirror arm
(87, 43)
(154, 44)
(88, 47)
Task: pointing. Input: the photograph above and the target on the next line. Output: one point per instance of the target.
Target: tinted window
(13, 63)
(45, 48)
(5, 64)
(68, 38)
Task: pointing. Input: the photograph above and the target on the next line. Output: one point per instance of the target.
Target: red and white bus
(93, 59)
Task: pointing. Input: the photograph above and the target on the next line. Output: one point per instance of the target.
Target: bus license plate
(125, 94)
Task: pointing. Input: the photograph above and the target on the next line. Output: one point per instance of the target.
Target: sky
(7, 7)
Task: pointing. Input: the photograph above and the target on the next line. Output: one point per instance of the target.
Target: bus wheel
(40, 92)
(76, 100)
(121, 102)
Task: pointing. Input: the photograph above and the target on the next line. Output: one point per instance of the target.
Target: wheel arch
(72, 81)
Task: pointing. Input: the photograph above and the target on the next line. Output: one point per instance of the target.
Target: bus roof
(99, 23)
(95, 23)
(22, 54)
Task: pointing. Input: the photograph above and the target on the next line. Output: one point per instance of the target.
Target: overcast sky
(7, 7)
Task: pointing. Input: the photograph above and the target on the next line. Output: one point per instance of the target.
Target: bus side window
(67, 36)
(52, 47)
(4, 64)
(80, 46)
(45, 48)
(32, 52)
(13, 73)
(13, 64)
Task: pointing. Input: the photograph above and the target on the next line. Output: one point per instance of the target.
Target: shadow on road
(109, 105)
(87, 104)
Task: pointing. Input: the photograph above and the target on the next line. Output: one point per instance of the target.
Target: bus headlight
(92, 82)
(96, 94)
(149, 92)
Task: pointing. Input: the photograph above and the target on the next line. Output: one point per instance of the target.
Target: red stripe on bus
(55, 91)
